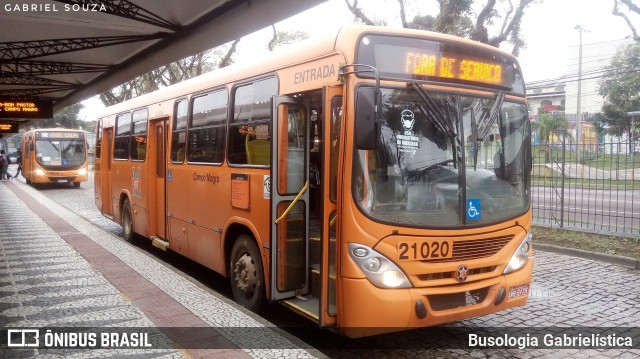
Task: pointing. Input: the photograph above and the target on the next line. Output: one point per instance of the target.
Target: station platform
(59, 272)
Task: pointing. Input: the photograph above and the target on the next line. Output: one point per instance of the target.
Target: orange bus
(374, 180)
(54, 155)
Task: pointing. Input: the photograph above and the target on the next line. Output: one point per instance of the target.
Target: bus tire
(127, 223)
(76, 184)
(246, 273)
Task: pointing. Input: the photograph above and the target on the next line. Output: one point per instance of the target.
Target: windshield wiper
(433, 110)
(54, 146)
(481, 128)
(429, 107)
(485, 122)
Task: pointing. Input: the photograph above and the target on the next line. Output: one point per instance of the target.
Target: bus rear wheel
(127, 222)
(246, 273)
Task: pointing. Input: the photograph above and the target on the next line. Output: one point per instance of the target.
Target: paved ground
(52, 285)
(58, 270)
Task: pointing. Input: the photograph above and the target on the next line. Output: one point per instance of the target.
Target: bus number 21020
(409, 251)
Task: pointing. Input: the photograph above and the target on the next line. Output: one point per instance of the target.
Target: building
(595, 57)
(560, 96)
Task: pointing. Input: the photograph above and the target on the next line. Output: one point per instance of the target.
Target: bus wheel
(76, 184)
(246, 274)
(127, 222)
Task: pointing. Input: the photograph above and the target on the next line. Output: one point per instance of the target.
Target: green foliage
(620, 88)
(457, 17)
(66, 117)
(454, 19)
(281, 38)
(161, 77)
(549, 124)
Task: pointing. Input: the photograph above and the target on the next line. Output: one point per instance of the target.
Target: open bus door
(105, 158)
(289, 271)
(332, 123)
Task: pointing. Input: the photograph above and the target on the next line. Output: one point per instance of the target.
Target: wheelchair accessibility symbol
(473, 209)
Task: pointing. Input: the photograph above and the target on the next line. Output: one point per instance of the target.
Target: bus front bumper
(61, 177)
(368, 310)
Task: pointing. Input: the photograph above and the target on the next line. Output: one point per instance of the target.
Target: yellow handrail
(295, 200)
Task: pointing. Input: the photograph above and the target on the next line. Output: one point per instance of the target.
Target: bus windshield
(455, 161)
(60, 153)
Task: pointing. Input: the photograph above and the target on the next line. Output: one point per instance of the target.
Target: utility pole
(579, 110)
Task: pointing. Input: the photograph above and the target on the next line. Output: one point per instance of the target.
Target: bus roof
(343, 42)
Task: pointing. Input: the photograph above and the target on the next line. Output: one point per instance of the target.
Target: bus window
(139, 137)
(336, 121)
(179, 134)
(98, 139)
(207, 129)
(249, 130)
(121, 142)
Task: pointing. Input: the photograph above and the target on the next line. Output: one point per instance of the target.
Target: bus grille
(475, 249)
(454, 300)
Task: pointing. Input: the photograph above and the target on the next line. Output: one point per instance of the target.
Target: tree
(172, 73)
(66, 117)
(549, 125)
(624, 8)
(456, 17)
(620, 88)
(284, 38)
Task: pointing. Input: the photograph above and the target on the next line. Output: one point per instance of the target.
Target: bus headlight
(82, 171)
(521, 255)
(378, 269)
(39, 172)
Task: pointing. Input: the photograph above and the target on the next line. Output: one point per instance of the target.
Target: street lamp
(579, 111)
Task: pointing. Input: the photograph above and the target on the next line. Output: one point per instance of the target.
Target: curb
(626, 262)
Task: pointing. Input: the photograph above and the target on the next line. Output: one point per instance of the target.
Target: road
(566, 292)
(605, 210)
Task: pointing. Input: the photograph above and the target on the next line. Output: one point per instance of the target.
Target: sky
(547, 27)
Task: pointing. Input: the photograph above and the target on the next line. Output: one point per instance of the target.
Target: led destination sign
(453, 68)
(441, 61)
(58, 135)
(25, 109)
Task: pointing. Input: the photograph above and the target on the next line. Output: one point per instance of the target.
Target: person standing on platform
(19, 160)
(4, 166)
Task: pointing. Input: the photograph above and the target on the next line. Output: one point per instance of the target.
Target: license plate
(62, 181)
(519, 291)
(425, 250)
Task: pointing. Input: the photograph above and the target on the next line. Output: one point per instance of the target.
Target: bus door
(97, 168)
(27, 150)
(289, 199)
(106, 157)
(157, 166)
(331, 124)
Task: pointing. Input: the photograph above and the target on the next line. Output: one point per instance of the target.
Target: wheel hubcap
(245, 274)
(127, 224)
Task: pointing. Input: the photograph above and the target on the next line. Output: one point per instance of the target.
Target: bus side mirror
(31, 147)
(366, 123)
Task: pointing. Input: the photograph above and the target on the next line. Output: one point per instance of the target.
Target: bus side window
(179, 131)
(336, 130)
(207, 128)
(250, 129)
(123, 132)
(139, 137)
